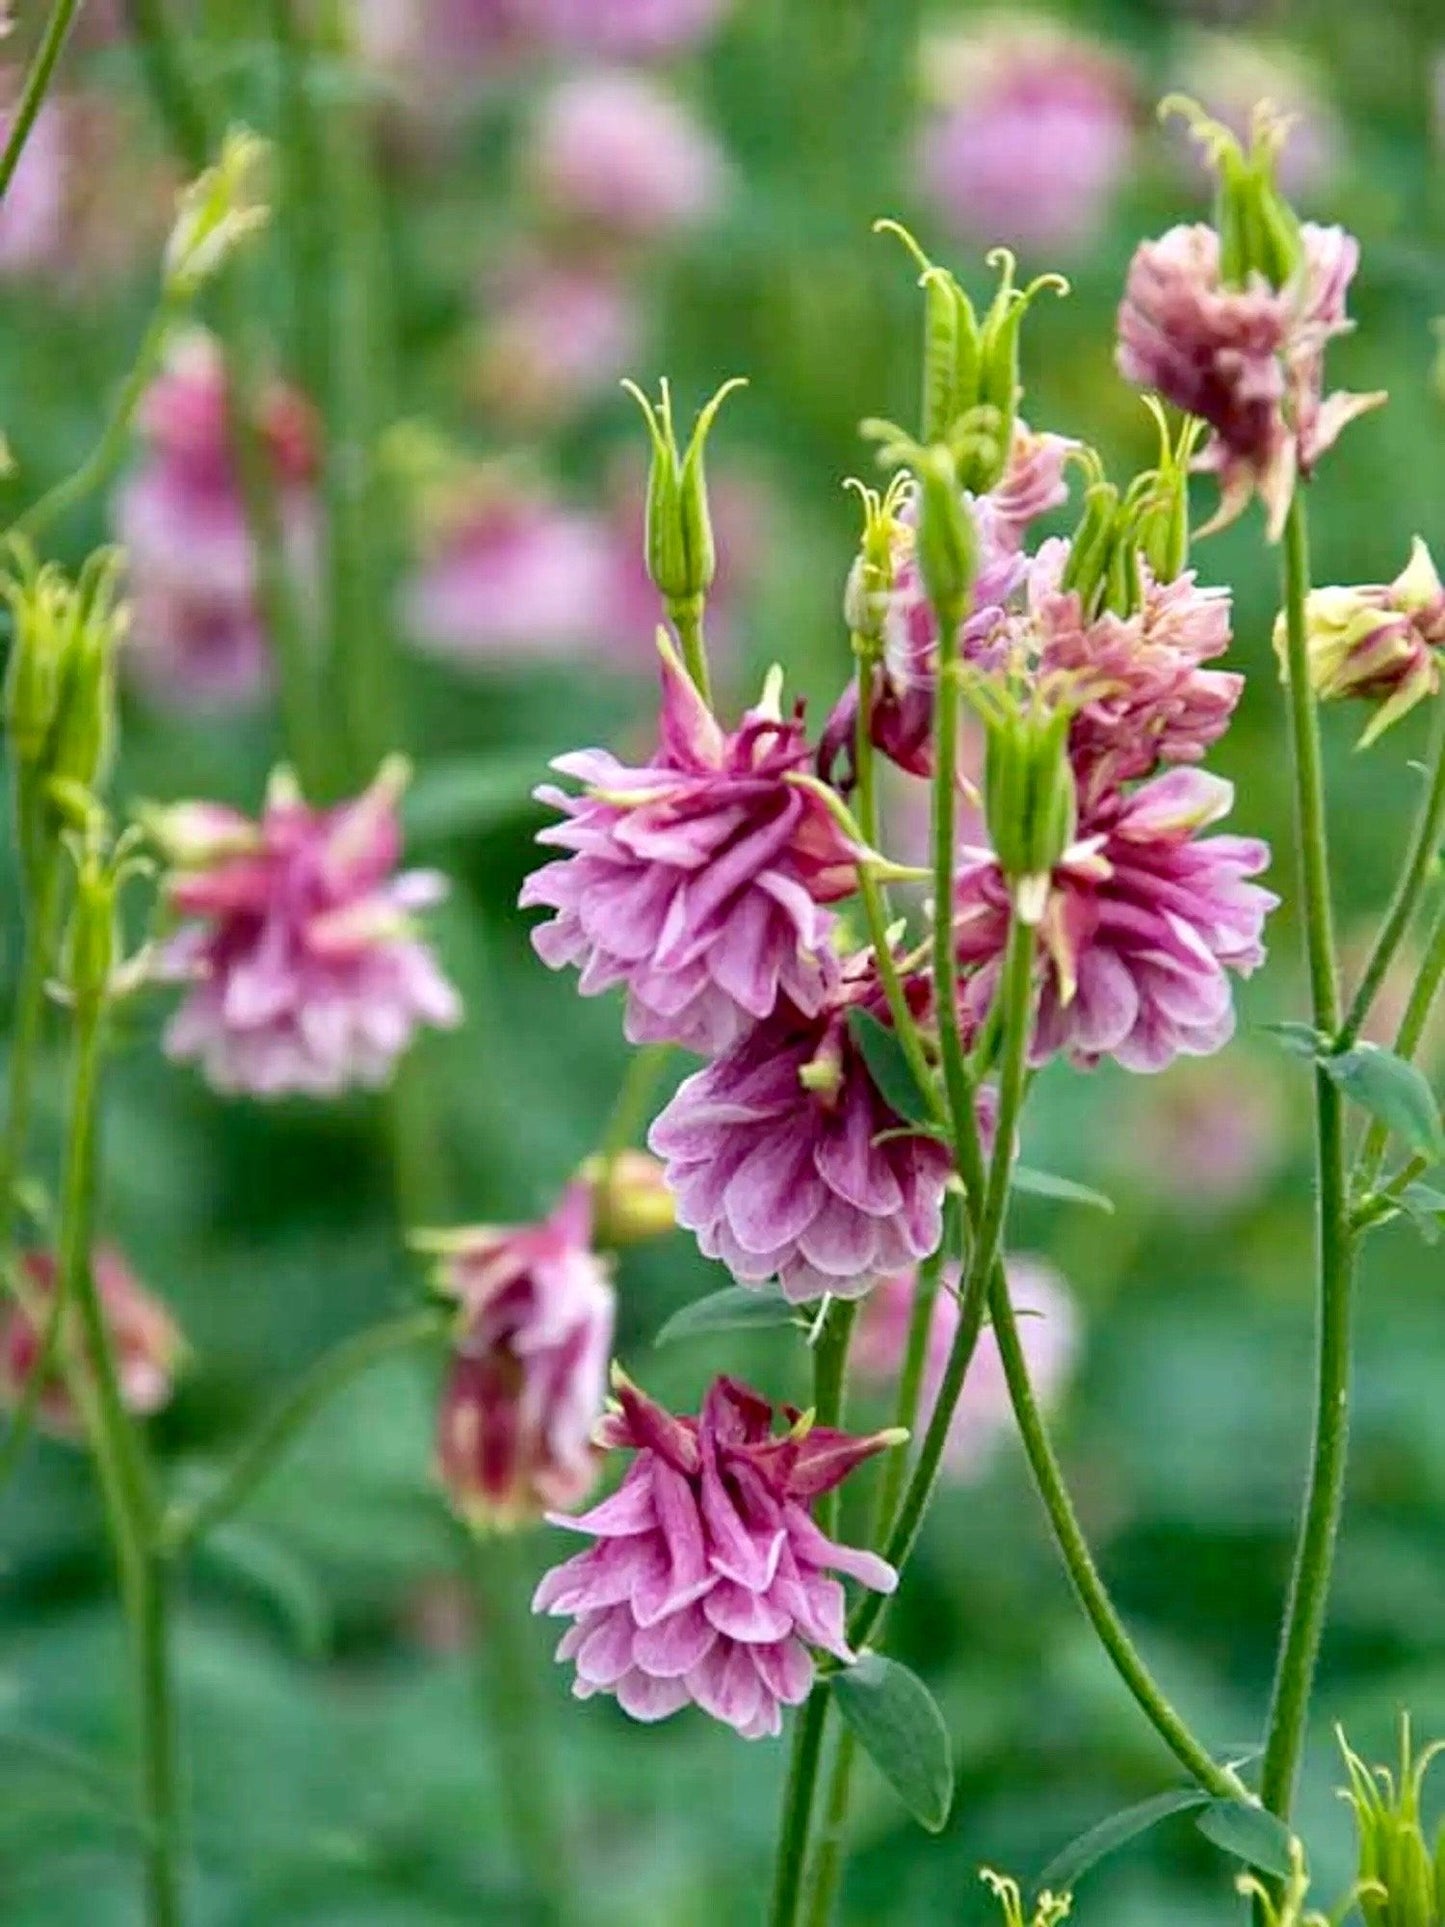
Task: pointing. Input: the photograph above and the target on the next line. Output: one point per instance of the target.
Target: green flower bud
(1092, 547)
(947, 542)
(681, 555)
(84, 733)
(35, 678)
(1259, 232)
(952, 344)
(92, 941)
(999, 388)
(1161, 523)
(865, 595)
(1030, 799)
(1400, 1877)
(1049, 1910)
(218, 211)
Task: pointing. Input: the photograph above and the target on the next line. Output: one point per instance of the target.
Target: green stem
(633, 1103)
(1407, 1042)
(37, 85)
(25, 1033)
(303, 156)
(186, 1524)
(687, 621)
(830, 1368)
(176, 99)
(945, 958)
(1416, 875)
(1319, 1526)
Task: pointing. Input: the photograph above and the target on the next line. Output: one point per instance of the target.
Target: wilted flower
(1144, 922)
(144, 1339)
(197, 639)
(618, 151)
(1047, 1331)
(1033, 132)
(698, 880)
(787, 1161)
(709, 1580)
(1379, 644)
(528, 1373)
(557, 334)
(307, 972)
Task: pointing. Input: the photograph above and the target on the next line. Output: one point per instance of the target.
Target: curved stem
(186, 1524)
(830, 1367)
(37, 85)
(1309, 1586)
(1407, 1042)
(1408, 891)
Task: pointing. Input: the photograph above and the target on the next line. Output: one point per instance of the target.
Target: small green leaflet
(1046, 1184)
(894, 1717)
(1393, 1091)
(890, 1069)
(731, 1309)
(1300, 1040)
(1249, 1833)
(1064, 1870)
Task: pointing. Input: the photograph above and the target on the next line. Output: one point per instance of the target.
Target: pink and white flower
(618, 151)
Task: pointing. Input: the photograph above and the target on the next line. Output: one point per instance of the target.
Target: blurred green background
(340, 1753)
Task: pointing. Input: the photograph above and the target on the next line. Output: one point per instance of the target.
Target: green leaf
(1300, 1040)
(260, 1562)
(472, 795)
(1249, 1833)
(734, 1308)
(901, 1729)
(1393, 1091)
(1047, 1184)
(890, 1069)
(1065, 1869)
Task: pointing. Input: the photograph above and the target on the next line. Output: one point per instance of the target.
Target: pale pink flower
(627, 29)
(709, 1580)
(34, 216)
(299, 943)
(618, 151)
(144, 1339)
(556, 334)
(528, 1372)
(1207, 1137)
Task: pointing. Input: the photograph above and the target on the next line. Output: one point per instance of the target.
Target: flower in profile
(709, 1580)
(1379, 644)
(1032, 134)
(1144, 924)
(626, 29)
(699, 880)
(528, 1372)
(558, 333)
(145, 1342)
(1048, 1332)
(198, 640)
(787, 1161)
(618, 151)
(298, 941)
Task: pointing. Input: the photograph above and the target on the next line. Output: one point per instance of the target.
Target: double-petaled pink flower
(710, 1581)
(616, 151)
(299, 942)
(197, 638)
(528, 1373)
(787, 1161)
(698, 881)
(1144, 925)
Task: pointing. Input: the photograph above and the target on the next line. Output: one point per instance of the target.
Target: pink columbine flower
(1249, 361)
(1033, 134)
(557, 335)
(197, 639)
(528, 1375)
(787, 1162)
(1144, 924)
(298, 939)
(1048, 1333)
(617, 151)
(698, 880)
(146, 1343)
(709, 1579)
(627, 29)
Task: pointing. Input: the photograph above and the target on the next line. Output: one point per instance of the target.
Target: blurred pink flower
(528, 1372)
(1032, 133)
(145, 1341)
(1206, 1137)
(709, 1579)
(555, 335)
(627, 29)
(33, 217)
(619, 151)
(1048, 1332)
(196, 638)
(299, 942)
(1230, 74)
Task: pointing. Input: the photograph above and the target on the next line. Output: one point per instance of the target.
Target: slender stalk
(40, 938)
(830, 1367)
(176, 99)
(302, 155)
(945, 958)
(1319, 1525)
(185, 1525)
(1407, 1042)
(633, 1102)
(37, 85)
(1424, 845)
(687, 620)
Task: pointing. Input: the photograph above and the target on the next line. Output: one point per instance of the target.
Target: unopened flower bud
(870, 579)
(217, 212)
(195, 835)
(1259, 232)
(952, 342)
(681, 555)
(1092, 548)
(1401, 1877)
(1030, 801)
(92, 942)
(947, 541)
(631, 1204)
(1049, 1910)
(999, 387)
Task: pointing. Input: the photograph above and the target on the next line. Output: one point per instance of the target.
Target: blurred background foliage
(339, 1754)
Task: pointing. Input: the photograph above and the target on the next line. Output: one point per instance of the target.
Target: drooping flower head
(1144, 923)
(197, 639)
(1032, 133)
(306, 970)
(787, 1161)
(528, 1373)
(617, 151)
(1048, 1333)
(699, 881)
(709, 1580)
(145, 1340)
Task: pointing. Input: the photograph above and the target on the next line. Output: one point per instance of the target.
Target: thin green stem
(633, 1103)
(37, 85)
(40, 936)
(177, 101)
(945, 957)
(1419, 864)
(687, 621)
(865, 802)
(1319, 1526)
(1407, 1041)
(185, 1525)
(302, 155)
(830, 1369)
